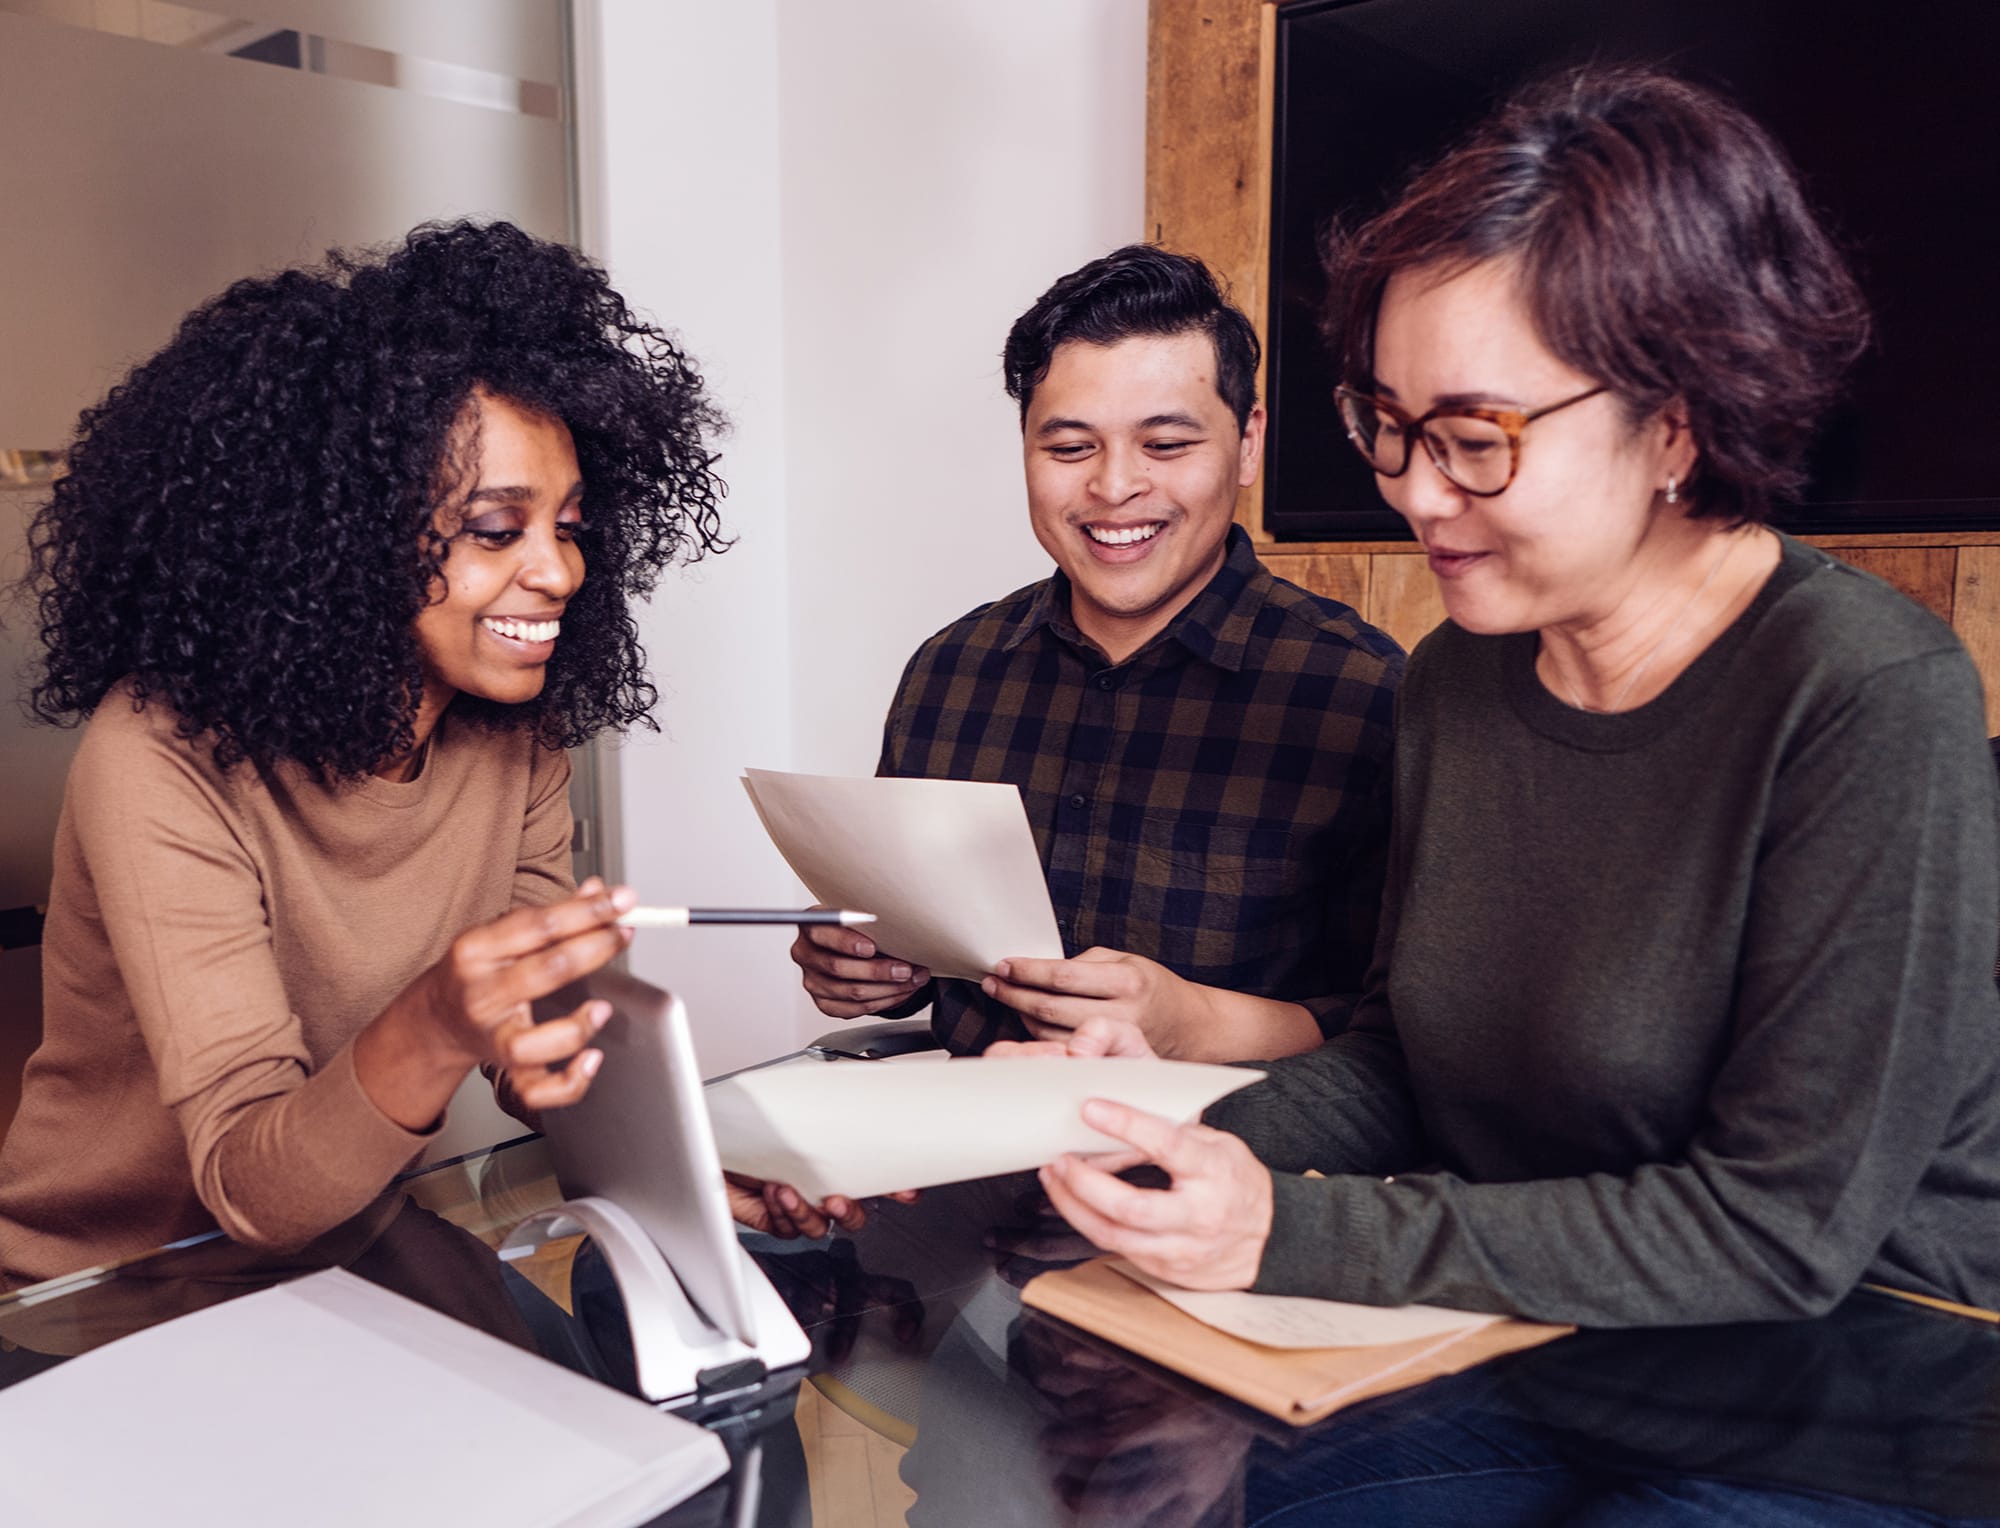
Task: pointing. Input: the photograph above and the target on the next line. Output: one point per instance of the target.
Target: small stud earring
(1673, 489)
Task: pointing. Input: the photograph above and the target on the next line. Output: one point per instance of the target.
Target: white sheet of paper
(1290, 1321)
(948, 867)
(872, 1127)
(328, 1402)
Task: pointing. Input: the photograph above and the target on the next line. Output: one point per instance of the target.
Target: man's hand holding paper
(948, 868)
(847, 975)
(1055, 997)
(778, 1209)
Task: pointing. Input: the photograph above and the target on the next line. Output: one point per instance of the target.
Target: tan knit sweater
(214, 943)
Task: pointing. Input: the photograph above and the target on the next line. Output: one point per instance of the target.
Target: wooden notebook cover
(1296, 1385)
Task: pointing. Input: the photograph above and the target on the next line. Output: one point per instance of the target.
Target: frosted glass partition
(153, 155)
(144, 173)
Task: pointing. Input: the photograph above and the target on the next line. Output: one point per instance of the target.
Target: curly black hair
(246, 527)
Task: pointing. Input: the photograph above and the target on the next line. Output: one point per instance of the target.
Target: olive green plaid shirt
(1219, 802)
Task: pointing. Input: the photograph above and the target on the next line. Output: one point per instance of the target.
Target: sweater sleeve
(1863, 995)
(279, 1153)
(1345, 1107)
(544, 872)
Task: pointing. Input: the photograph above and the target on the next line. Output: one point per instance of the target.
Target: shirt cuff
(1332, 1013)
(914, 1004)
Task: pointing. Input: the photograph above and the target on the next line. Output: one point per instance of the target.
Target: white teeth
(525, 631)
(1122, 538)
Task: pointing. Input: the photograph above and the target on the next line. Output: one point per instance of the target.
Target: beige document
(1292, 1321)
(861, 1128)
(948, 867)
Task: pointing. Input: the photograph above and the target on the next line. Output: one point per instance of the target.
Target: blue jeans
(1441, 1457)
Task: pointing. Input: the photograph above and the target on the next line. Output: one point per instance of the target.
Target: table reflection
(1883, 1411)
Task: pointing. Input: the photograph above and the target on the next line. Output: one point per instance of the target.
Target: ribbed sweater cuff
(337, 1150)
(1314, 1221)
(381, 1146)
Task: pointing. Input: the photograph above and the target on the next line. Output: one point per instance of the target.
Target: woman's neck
(1683, 595)
(408, 764)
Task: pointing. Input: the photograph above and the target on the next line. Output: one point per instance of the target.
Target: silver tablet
(640, 1138)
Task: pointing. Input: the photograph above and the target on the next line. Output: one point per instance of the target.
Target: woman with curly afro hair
(334, 578)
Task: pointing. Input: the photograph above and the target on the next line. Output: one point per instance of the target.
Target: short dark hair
(246, 528)
(1663, 248)
(1140, 289)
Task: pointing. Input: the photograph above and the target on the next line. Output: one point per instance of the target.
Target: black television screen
(1889, 111)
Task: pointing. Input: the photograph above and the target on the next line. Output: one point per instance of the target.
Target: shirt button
(1106, 682)
(1077, 801)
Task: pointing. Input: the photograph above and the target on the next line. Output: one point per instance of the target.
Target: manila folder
(1296, 1385)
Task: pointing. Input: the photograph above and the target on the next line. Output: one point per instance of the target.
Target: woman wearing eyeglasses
(1683, 1007)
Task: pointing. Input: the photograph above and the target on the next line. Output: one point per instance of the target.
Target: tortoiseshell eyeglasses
(1474, 446)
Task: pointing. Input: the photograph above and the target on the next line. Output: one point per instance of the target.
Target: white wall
(840, 207)
(943, 163)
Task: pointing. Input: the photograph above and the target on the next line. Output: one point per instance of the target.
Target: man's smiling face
(1133, 463)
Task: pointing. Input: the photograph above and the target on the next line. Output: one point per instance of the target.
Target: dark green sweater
(1685, 1014)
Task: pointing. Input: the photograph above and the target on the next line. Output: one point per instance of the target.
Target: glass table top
(990, 1413)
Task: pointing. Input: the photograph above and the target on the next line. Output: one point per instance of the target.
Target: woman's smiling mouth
(521, 635)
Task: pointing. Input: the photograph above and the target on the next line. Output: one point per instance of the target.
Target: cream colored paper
(948, 867)
(858, 1128)
(1291, 1321)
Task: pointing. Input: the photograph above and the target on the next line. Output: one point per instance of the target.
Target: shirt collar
(1215, 627)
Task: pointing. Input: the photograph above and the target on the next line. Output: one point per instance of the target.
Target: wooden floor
(850, 1469)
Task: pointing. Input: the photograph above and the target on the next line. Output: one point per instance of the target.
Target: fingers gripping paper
(871, 1128)
(948, 867)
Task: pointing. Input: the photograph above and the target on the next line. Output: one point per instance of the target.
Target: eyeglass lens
(1474, 453)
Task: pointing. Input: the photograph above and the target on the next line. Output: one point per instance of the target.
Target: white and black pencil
(682, 917)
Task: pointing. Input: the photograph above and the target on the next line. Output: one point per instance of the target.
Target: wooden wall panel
(1976, 619)
(1404, 599)
(1208, 154)
(1928, 574)
(1343, 578)
(1208, 160)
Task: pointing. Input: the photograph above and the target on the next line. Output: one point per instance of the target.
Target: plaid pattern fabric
(1219, 802)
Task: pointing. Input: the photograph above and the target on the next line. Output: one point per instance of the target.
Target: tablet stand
(681, 1356)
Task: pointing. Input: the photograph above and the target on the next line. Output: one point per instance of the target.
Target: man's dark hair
(1140, 289)
(1662, 247)
(247, 529)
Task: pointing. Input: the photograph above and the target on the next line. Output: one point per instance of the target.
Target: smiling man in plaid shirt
(1202, 747)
